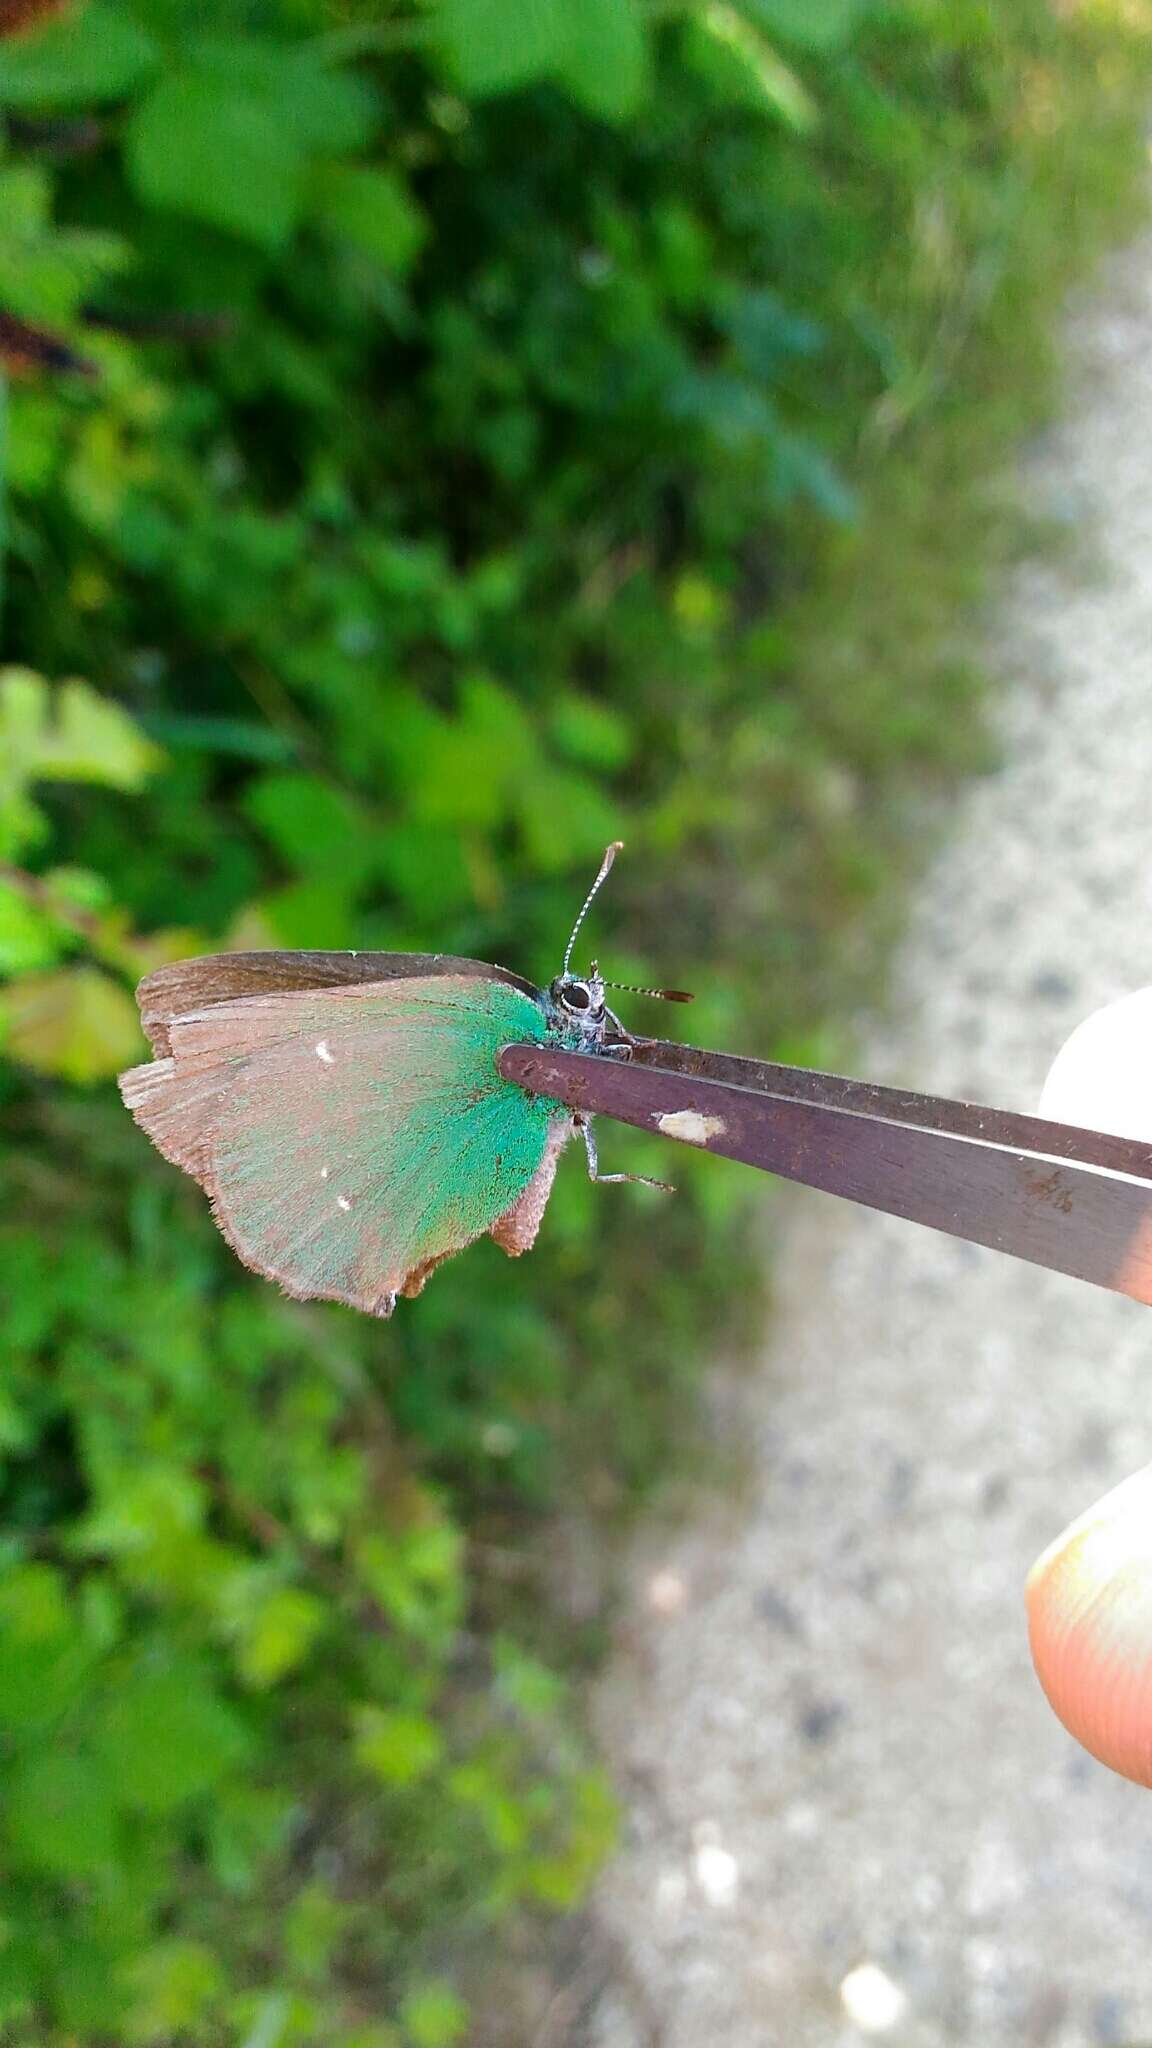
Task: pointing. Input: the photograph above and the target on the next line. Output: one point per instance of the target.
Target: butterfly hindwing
(352, 1137)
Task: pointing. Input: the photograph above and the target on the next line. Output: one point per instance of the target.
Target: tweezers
(1077, 1201)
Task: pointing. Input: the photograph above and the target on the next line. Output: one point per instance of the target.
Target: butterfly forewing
(187, 985)
(351, 1137)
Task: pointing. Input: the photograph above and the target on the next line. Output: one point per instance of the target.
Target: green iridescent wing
(351, 1138)
(186, 985)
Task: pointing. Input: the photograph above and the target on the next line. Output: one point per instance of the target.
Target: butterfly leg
(584, 1126)
(622, 1041)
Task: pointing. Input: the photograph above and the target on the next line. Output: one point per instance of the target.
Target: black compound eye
(577, 997)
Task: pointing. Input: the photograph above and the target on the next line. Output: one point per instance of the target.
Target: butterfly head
(578, 1001)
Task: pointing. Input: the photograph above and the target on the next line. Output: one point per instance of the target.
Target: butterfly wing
(186, 985)
(352, 1138)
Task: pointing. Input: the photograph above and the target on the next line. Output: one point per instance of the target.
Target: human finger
(1089, 1601)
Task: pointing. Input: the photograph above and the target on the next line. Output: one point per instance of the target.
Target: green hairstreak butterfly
(344, 1112)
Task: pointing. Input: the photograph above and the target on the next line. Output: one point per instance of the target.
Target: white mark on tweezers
(690, 1125)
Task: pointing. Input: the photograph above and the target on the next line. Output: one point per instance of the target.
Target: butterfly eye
(577, 997)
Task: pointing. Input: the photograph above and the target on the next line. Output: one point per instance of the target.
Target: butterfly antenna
(610, 853)
(663, 995)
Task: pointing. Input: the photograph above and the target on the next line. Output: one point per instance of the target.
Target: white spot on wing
(342, 1202)
(322, 1053)
(690, 1125)
(324, 1172)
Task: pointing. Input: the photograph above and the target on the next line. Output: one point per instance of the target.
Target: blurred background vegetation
(494, 426)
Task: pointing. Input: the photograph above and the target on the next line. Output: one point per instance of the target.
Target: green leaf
(36, 439)
(40, 1681)
(85, 1991)
(29, 940)
(203, 147)
(371, 207)
(77, 889)
(590, 817)
(606, 64)
(165, 1737)
(596, 734)
(45, 1652)
(75, 1023)
(91, 54)
(25, 201)
(175, 1983)
(245, 1824)
(145, 1508)
(67, 734)
(60, 1815)
(45, 271)
(310, 823)
(473, 768)
(93, 740)
(819, 25)
(330, 110)
(415, 1577)
(428, 868)
(400, 1748)
(24, 711)
(598, 49)
(34, 1606)
(312, 1929)
(493, 45)
(527, 1684)
(745, 67)
(279, 1636)
(433, 2017)
(311, 913)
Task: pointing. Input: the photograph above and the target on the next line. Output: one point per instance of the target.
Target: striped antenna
(664, 995)
(610, 853)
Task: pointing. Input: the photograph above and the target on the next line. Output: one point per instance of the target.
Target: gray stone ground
(823, 1715)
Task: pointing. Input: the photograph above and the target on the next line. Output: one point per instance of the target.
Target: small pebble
(871, 2000)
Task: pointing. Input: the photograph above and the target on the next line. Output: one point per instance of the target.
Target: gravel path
(851, 1815)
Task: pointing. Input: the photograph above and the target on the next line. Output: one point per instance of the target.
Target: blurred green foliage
(562, 441)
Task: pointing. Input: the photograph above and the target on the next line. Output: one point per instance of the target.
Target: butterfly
(344, 1112)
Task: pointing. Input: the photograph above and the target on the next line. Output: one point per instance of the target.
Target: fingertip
(1089, 1604)
(1101, 1078)
(1089, 1596)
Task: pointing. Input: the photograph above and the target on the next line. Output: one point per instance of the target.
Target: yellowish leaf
(76, 1023)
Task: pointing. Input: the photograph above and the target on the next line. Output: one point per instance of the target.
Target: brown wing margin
(188, 985)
